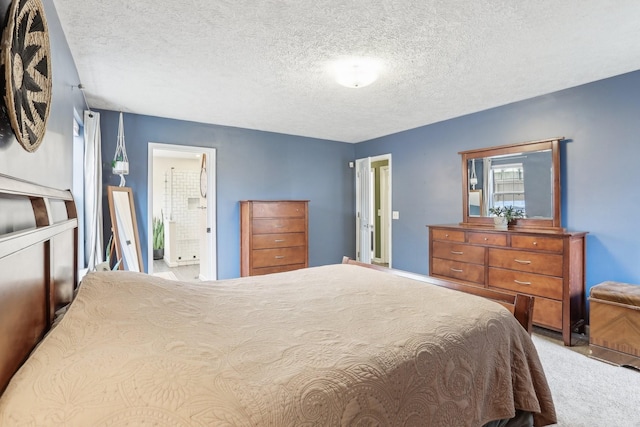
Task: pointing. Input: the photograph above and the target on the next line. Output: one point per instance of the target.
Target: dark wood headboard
(38, 265)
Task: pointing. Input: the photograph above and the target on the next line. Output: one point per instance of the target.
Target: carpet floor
(588, 392)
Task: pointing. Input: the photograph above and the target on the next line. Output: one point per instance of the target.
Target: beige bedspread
(336, 345)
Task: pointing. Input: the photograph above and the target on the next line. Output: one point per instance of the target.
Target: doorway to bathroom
(181, 212)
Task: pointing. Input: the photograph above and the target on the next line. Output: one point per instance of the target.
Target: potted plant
(158, 238)
(505, 215)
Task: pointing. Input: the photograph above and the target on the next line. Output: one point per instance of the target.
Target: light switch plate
(395, 215)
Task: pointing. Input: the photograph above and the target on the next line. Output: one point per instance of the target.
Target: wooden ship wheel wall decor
(26, 63)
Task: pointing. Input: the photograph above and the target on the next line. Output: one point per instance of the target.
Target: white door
(204, 247)
(364, 202)
(385, 211)
(208, 253)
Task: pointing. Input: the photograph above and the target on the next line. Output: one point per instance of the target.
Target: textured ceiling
(265, 64)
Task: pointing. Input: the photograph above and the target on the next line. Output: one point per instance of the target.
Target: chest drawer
(276, 269)
(459, 252)
(532, 262)
(278, 209)
(285, 225)
(493, 239)
(526, 283)
(541, 243)
(448, 235)
(459, 270)
(280, 256)
(281, 240)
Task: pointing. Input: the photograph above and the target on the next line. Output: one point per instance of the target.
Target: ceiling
(265, 64)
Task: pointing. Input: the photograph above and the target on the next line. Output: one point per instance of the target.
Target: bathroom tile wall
(183, 205)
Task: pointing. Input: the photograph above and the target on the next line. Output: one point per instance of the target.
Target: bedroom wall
(600, 161)
(250, 165)
(51, 163)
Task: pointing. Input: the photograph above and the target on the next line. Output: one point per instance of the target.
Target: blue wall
(600, 164)
(250, 165)
(600, 157)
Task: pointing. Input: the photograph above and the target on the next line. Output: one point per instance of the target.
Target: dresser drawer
(493, 239)
(532, 262)
(281, 256)
(458, 252)
(547, 313)
(276, 269)
(278, 209)
(458, 270)
(285, 225)
(541, 243)
(526, 283)
(281, 240)
(450, 235)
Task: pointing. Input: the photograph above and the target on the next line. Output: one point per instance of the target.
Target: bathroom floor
(186, 273)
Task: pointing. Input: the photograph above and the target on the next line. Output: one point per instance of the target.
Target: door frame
(389, 245)
(211, 201)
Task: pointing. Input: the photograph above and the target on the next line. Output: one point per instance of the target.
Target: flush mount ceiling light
(356, 72)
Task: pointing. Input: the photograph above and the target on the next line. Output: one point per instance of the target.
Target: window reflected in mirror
(506, 183)
(521, 180)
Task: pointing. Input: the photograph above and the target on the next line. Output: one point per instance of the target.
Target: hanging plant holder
(120, 163)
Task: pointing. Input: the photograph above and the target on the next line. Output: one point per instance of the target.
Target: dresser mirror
(525, 176)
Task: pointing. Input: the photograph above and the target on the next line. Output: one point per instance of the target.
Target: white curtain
(93, 190)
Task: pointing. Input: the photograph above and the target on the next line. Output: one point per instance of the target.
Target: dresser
(274, 236)
(547, 264)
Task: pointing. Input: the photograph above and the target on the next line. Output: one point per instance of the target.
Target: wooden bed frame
(520, 305)
(38, 264)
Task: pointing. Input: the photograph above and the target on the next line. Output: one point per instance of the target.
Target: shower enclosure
(182, 211)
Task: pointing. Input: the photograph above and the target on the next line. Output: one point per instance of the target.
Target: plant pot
(121, 168)
(500, 222)
(158, 254)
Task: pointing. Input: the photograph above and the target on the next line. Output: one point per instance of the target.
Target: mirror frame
(114, 225)
(552, 144)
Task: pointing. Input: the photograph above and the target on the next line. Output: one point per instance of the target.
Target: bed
(335, 345)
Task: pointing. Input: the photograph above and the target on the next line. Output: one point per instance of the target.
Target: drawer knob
(279, 240)
(279, 256)
(280, 226)
(522, 283)
(535, 243)
(486, 238)
(456, 270)
(521, 261)
(446, 235)
(457, 252)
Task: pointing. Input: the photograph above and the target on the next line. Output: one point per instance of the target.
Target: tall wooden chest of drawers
(274, 236)
(546, 264)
